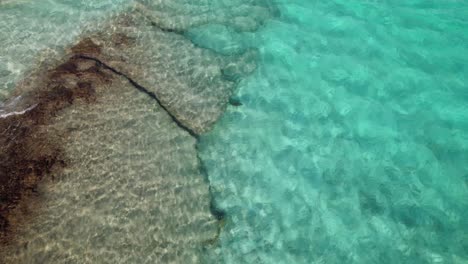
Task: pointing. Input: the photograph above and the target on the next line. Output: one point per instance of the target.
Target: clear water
(351, 143)
(33, 31)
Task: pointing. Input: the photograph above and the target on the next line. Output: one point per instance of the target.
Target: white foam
(17, 112)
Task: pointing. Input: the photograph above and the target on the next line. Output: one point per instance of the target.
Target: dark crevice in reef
(158, 25)
(86, 48)
(164, 29)
(218, 213)
(141, 89)
(235, 101)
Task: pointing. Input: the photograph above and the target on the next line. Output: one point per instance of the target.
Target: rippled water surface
(32, 31)
(345, 141)
(351, 145)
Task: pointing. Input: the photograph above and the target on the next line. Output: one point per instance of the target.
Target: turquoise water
(351, 145)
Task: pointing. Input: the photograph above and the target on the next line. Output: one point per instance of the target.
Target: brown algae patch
(27, 154)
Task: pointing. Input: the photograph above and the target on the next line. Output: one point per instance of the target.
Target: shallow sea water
(351, 141)
(351, 145)
(33, 31)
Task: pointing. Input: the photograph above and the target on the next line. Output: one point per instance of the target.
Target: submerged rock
(121, 179)
(98, 157)
(103, 163)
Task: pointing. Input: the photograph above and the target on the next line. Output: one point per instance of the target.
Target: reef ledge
(94, 152)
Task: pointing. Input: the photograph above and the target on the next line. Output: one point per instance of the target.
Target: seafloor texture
(99, 163)
(201, 81)
(112, 192)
